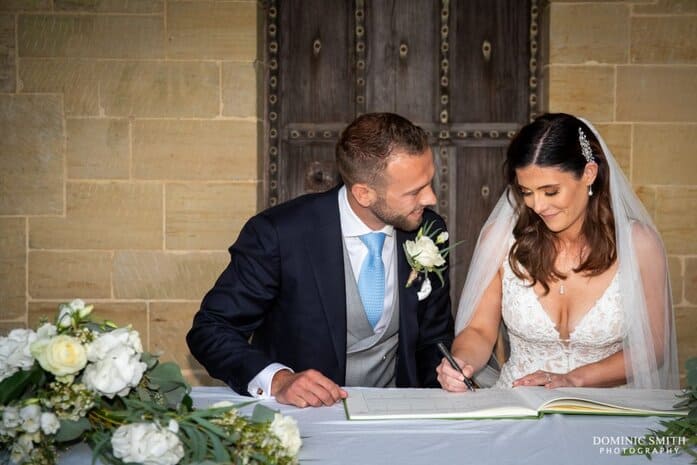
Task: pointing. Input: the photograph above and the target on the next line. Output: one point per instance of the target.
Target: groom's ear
(364, 194)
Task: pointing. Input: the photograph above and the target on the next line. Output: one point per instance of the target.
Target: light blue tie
(371, 281)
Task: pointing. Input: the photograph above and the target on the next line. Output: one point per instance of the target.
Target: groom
(314, 297)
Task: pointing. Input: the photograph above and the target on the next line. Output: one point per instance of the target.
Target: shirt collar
(351, 224)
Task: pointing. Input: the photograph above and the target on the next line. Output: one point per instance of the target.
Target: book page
(411, 403)
(602, 400)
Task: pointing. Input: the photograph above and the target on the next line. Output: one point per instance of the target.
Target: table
(328, 438)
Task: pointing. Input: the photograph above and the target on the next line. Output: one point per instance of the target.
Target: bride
(572, 263)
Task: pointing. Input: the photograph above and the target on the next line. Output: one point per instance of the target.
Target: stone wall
(631, 67)
(128, 157)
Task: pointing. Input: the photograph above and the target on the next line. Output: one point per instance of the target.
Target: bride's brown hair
(552, 140)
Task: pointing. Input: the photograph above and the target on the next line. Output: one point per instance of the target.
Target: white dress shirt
(351, 229)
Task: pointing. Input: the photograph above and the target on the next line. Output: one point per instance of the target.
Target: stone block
(240, 90)
(91, 36)
(656, 93)
(586, 91)
(207, 216)
(13, 268)
(77, 80)
(666, 7)
(201, 150)
(582, 33)
(212, 30)
(169, 323)
(31, 155)
(111, 6)
(664, 154)
(103, 216)
(121, 313)
(647, 196)
(98, 148)
(676, 218)
(166, 275)
(676, 279)
(618, 138)
(664, 39)
(160, 89)
(64, 275)
(8, 64)
(25, 5)
(691, 280)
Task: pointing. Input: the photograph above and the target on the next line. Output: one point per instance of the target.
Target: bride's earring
(590, 190)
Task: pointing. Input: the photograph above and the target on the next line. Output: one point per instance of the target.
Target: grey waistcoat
(370, 357)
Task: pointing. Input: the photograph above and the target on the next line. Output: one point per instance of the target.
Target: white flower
(286, 429)
(10, 418)
(119, 371)
(46, 331)
(425, 252)
(146, 443)
(61, 355)
(67, 311)
(49, 423)
(442, 238)
(15, 353)
(106, 342)
(21, 449)
(31, 418)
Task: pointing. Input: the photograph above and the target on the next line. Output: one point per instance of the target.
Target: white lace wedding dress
(534, 339)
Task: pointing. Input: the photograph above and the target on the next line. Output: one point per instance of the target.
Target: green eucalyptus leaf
(220, 453)
(168, 377)
(262, 414)
(70, 430)
(21, 383)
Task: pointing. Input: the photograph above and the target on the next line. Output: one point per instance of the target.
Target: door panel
(465, 70)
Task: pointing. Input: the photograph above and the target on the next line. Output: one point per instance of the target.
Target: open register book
(521, 402)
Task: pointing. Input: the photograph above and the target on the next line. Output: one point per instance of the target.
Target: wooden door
(465, 70)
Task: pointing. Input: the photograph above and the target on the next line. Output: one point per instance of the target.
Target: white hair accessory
(585, 146)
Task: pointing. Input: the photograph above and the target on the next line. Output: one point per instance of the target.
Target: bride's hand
(450, 379)
(546, 379)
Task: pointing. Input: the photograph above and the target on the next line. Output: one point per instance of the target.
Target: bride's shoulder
(646, 240)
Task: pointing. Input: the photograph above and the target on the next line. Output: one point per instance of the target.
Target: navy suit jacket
(282, 298)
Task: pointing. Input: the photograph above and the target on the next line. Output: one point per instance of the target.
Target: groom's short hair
(365, 146)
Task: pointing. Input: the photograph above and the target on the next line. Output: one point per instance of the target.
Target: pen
(448, 356)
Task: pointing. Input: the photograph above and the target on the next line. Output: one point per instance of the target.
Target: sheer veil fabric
(649, 346)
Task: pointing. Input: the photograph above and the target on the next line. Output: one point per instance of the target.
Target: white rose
(31, 418)
(106, 342)
(119, 371)
(15, 353)
(46, 331)
(61, 355)
(49, 423)
(286, 430)
(146, 443)
(425, 252)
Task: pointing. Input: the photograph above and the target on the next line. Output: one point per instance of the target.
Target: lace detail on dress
(535, 342)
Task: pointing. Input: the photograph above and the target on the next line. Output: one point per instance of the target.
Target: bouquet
(75, 380)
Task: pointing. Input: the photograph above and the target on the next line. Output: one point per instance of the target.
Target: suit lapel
(408, 305)
(323, 245)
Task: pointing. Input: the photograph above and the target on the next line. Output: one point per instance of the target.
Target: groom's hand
(309, 387)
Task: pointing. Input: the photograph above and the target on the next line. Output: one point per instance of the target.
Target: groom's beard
(407, 222)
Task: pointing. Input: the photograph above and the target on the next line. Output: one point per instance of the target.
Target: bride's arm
(473, 345)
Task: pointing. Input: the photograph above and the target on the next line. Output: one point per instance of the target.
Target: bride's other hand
(546, 379)
(450, 379)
